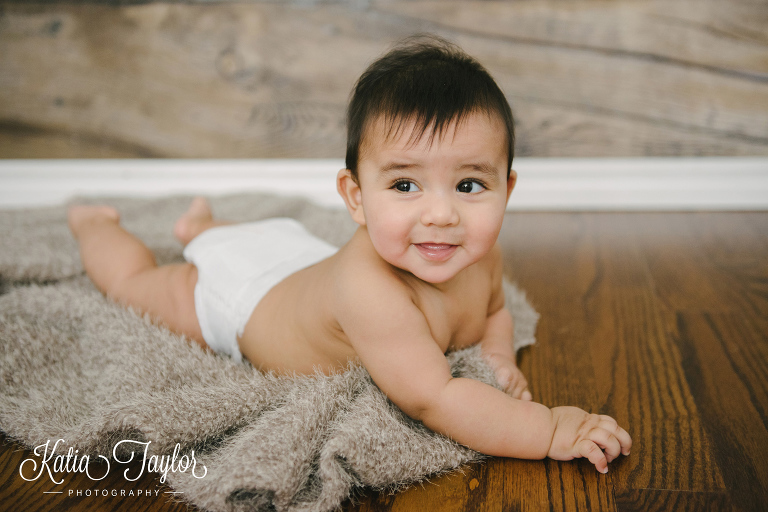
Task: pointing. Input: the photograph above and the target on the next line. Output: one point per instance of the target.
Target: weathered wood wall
(271, 79)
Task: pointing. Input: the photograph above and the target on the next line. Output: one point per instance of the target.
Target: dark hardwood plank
(706, 261)
(642, 374)
(726, 364)
(659, 500)
(735, 254)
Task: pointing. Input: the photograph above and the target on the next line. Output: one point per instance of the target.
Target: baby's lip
(436, 245)
(434, 251)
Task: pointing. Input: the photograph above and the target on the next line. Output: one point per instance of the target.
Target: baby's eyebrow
(484, 168)
(398, 166)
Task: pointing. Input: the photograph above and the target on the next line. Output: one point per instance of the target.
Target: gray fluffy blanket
(75, 366)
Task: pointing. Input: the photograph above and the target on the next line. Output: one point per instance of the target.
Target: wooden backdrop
(271, 79)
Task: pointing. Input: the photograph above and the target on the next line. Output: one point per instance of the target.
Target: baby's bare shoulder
(364, 282)
(358, 278)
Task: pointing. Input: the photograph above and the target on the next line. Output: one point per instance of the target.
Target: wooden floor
(660, 320)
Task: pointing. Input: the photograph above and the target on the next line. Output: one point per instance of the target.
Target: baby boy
(427, 179)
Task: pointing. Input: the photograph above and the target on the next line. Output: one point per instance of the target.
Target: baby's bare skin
(277, 337)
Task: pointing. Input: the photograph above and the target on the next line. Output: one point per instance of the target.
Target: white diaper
(237, 265)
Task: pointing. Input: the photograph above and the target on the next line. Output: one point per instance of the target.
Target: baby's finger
(625, 440)
(503, 377)
(510, 382)
(520, 386)
(606, 441)
(622, 435)
(591, 451)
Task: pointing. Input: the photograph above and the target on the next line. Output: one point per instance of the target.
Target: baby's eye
(470, 187)
(405, 186)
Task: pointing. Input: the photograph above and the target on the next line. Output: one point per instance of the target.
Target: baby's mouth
(436, 252)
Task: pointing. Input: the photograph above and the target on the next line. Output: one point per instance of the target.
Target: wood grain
(658, 319)
(728, 376)
(271, 80)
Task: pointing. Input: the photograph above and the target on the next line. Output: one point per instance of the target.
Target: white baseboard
(560, 184)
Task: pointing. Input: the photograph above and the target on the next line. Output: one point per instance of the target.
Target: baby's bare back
(295, 326)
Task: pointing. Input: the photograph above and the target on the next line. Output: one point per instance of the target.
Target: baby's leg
(124, 269)
(195, 220)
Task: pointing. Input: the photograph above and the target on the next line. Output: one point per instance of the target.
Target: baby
(427, 179)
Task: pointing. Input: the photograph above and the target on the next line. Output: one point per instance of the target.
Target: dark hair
(430, 81)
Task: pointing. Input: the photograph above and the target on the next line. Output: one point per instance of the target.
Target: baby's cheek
(390, 245)
(483, 240)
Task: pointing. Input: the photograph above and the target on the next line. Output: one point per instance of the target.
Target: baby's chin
(433, 273)
(436, 280)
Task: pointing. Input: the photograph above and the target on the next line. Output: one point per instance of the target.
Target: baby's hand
(580, 434)
(509, 376)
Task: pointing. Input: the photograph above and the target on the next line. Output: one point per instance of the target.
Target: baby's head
(429, 158)
(425, 82)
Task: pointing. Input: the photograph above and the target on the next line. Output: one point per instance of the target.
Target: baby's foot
(191, 223)
(80, 216)
(509, 376)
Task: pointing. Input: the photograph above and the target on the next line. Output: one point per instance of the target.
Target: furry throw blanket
(75, 366)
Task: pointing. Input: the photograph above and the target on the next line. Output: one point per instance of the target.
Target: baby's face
(433, 209)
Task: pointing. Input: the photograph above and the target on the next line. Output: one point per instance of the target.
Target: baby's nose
(439, 211)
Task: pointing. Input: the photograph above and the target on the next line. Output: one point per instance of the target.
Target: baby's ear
(511, 181)
(349, 190)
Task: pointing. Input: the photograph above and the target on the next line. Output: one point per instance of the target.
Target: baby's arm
(498, 350)
(395, 344)
(497, 344)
